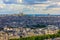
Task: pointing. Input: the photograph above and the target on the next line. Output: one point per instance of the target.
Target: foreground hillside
(42, 37)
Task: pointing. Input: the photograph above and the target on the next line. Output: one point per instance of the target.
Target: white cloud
(20, 1)
(1, 1)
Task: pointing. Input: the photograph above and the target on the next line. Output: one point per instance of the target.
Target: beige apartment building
(3, 36)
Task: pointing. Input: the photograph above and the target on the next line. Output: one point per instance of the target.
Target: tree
(59, 32)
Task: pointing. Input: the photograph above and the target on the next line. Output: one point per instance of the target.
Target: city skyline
(30, 6)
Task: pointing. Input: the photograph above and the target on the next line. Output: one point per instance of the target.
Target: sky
(30, 6)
